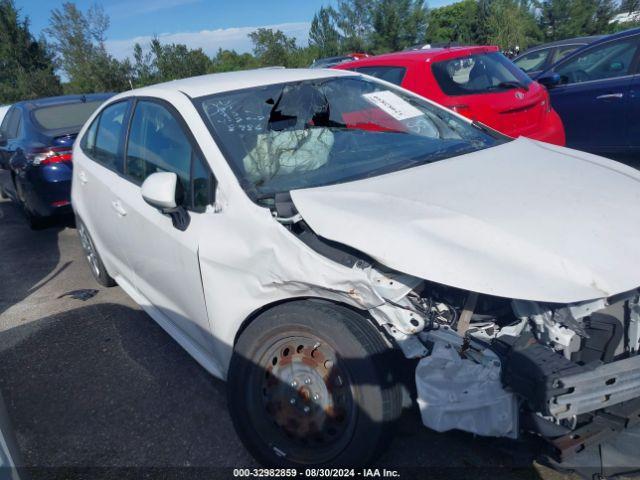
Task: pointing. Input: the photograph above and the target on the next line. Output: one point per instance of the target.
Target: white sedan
(329, 243)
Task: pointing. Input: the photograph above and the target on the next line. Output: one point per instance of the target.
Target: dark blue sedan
(36, 137)
(596, 92)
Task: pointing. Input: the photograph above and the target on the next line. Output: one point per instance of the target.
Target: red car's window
(390, 74)
(483, 73)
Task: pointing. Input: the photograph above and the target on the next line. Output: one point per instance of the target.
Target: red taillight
(49, 155)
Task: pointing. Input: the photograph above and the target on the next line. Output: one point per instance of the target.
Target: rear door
(97, 174)
(593, 96)
(164, 259)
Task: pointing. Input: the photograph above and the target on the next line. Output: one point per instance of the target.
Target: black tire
(342, 416)
(34, 221)
(96, 266)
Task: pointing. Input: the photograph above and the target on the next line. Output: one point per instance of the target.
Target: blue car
(36, 137)
(596, 92)
(537, 59)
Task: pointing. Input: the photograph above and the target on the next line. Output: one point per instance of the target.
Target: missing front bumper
(602, 387)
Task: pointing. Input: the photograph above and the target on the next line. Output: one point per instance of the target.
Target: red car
(477, 82)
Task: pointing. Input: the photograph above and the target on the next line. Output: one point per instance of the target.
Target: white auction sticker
(392, 104)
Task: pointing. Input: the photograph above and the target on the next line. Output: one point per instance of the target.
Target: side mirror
(3, 139)
(159, 190)
(162, 191)
(549, 80)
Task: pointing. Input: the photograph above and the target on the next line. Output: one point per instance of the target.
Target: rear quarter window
(70, 115)
(103, 140)
(390, 74)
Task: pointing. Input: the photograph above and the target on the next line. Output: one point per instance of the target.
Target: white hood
(523, 220)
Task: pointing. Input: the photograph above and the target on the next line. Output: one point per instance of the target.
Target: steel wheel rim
(307, 397)
(89, 250)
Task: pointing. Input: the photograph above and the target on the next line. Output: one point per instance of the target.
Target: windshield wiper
(512, 84)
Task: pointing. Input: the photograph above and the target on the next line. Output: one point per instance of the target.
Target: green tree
(273, 47)
(26, 67)
(323, 34)
(512, 23)
(484, 14)
(571, 18)
(397, 24)
(230, 60)
(144, 72)
(79, 42)
(174, 61)
(354, 21)
(457, 22)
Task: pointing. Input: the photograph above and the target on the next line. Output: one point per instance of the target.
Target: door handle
(608, 96)
(118, 208)
(83, 178)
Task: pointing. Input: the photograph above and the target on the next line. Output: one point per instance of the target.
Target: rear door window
(390, 74)
(103, 140)
(533, 61)
(483, 73)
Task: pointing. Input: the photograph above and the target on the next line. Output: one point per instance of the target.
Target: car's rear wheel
(313, 383)
(93, 258)
(34, 221)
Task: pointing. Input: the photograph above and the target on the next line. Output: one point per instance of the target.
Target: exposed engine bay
(492, 366)
(498, 367)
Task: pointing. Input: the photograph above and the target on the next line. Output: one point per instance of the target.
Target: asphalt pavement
(96, 383)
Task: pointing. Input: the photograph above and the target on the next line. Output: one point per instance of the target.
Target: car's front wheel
(312, 383)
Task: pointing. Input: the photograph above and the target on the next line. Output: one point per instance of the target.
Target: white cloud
(210, 40)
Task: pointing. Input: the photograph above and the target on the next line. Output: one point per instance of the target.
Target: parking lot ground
(97, 383)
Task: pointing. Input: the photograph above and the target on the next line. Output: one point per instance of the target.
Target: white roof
(223, 82)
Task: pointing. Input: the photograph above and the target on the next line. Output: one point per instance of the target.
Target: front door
(593, 96)
(163, 258)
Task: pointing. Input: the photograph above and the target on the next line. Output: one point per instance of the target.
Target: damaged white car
(313, 236)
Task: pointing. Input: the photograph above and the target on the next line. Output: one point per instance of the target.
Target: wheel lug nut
(294, 384)
(306, 409)
(316, 397)
(292, 401)
(307, 381)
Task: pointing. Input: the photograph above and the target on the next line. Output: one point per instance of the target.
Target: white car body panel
(234, 259)
(3, 111)
(523, 220)
(243, 258)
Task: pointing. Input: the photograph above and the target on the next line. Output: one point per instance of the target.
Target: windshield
(484, 73)
(311, 133)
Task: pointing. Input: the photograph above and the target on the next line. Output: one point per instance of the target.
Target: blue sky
(208, 24)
